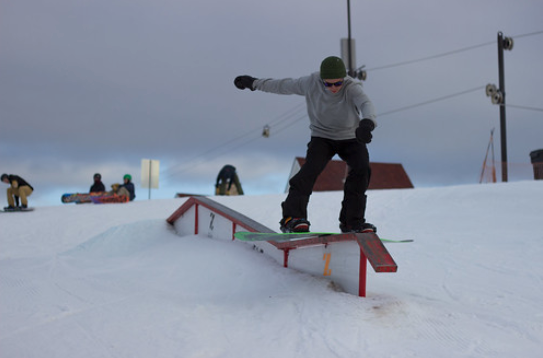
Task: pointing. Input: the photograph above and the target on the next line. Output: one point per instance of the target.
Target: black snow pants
(319, 152)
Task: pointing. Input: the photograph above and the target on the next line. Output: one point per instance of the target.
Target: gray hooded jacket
(331, 115)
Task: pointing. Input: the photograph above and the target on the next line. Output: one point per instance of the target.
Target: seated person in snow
(128, 187)
(125, 189)
(19, 188)
(117, 189)
(98, 186)
(227, 176)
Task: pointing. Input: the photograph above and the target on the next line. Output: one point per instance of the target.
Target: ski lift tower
(497, 96)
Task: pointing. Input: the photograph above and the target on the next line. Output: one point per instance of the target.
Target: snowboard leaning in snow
(79, 198)
(265, 236)
(110, 199)
(17, 210)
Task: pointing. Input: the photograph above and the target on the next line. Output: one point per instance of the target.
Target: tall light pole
(350, 64)
(348, 51)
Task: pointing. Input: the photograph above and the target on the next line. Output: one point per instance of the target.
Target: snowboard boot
(360, 228)
(294, 225)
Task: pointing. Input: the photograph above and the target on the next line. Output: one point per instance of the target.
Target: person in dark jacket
(98, 186)
(19, 188)
(227, 176)
(128, 186)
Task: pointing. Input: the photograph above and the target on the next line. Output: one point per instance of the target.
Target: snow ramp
(341, 258)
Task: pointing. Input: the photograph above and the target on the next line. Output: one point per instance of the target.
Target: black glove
(363, 132)
(243, 82)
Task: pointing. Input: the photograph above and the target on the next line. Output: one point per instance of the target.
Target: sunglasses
(335, 84)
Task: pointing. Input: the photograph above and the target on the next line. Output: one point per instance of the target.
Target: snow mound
(123, 240)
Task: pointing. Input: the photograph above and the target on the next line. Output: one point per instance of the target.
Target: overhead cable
(448, 53)
(522, 107)
(429, 57)
(431, 101)
(198, 159)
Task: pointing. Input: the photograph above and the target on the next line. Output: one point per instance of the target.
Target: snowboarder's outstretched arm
(297, 86)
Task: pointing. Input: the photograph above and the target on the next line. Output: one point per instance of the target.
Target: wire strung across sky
(280, 124)
(522, 107)
(277, 124)
(448, 53)
(429, 57)
(431, 101)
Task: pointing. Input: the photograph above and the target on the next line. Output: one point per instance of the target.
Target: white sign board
(149, 173)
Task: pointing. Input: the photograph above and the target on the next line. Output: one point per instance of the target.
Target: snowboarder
(341, 118)
(19, 188)
(98, 186)
(227, 176)
(128, 186)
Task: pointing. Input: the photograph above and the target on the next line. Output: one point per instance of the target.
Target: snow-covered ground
(116, 281)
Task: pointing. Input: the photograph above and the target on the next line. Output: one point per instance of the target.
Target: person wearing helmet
(97, 186)
(19, 188)
(128, 186)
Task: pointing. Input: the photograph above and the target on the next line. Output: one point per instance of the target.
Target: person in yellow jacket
(19, 189)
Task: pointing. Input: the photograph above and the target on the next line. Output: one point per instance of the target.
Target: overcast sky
(97, 85)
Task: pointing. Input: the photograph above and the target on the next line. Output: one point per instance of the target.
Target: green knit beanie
(333, 67)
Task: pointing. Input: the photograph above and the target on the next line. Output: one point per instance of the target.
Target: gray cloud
(99, 85)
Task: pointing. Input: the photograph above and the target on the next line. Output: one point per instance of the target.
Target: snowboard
(17, 210)
(110, 199)
(79, 198)
(280, 237)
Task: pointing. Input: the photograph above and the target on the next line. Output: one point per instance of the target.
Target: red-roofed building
(383, 176)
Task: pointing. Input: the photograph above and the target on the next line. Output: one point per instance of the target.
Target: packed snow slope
(116, 281)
